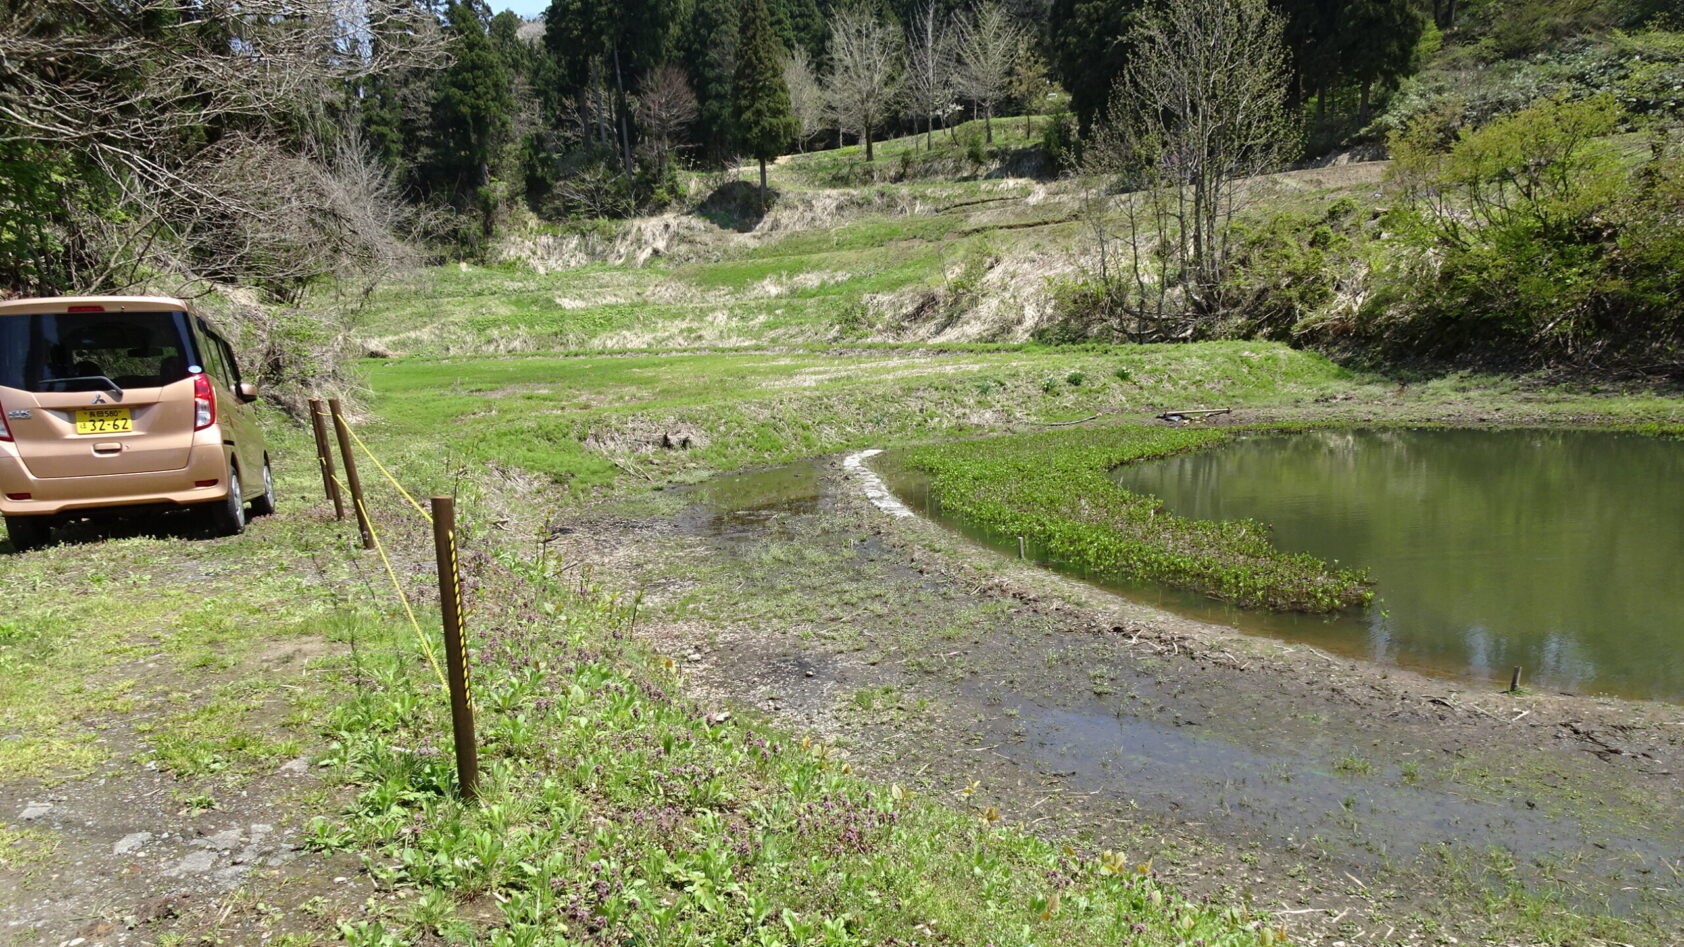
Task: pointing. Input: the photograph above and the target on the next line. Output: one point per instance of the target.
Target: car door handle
(110, 447)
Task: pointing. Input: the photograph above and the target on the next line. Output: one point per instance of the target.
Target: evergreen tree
(806, 26)
(472, 108)
(710, 56)
(1312, 37)
(603, 45)
(1087, 48)
(1377, 41)
(381, 116)
(764, 123)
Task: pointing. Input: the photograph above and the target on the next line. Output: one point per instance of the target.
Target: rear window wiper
(110, 385)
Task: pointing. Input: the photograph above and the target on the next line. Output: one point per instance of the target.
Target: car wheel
(228, 517)
(28, 532)
(265, 504)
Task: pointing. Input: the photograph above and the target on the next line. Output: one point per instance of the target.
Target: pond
(1559, 551)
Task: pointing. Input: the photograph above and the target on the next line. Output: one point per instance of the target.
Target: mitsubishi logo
(99, 399)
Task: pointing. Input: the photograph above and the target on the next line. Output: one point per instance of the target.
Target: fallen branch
(1066, 423)
(1194, 414)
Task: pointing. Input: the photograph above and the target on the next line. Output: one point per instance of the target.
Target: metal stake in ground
(324, 458)
(351, 478)
(455, 656)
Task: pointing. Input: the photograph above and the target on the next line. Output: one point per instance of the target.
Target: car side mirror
(248, 392)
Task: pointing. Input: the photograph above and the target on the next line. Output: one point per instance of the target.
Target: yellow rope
(426, 648)
(418, 507)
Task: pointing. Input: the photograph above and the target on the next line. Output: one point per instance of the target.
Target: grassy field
(587, 420)
(613, 806)
(183, 689)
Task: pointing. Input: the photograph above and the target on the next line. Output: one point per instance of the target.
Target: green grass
(943, 156)
(615, 809)
(1053, 489)
(590, 420)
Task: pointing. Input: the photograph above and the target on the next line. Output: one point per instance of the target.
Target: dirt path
(1365, 804)
(161, 692)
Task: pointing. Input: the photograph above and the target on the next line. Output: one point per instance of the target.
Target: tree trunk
(587, 105)
(620, 107)
(1362, 109)
(763, 185)
(867, 136)
(988, 124)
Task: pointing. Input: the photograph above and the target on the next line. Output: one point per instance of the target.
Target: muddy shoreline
(1366, 804)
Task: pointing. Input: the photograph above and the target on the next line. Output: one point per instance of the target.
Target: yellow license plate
(103, 421)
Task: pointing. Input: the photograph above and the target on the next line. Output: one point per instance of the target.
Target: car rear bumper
(75, 496)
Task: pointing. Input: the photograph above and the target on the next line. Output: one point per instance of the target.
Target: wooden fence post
(324, 458)
(455, 654)
(351, 478)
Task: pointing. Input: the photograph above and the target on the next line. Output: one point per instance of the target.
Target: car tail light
(84, 309)
(204, 402)
(19, 496)
(5, 425)
(206, 483)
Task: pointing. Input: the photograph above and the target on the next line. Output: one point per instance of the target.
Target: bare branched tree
(806, 96)
(929, 68)
(205, 115)
(92, 74)
(1198, 115)
(284, 221)
(988, 45)
(666, 108)
(865, 79)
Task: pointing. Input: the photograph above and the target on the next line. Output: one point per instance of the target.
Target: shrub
(1530, 236)
(976, 151)
(1059, 144)
(1287, 269)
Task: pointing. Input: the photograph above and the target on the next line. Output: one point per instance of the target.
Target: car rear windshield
(96, 351)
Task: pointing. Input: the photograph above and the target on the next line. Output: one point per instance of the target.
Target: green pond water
(1559, 551)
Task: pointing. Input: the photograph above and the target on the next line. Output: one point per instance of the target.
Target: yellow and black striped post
(324, 458)
(455, 655)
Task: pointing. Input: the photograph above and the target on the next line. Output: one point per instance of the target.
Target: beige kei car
(119, 404)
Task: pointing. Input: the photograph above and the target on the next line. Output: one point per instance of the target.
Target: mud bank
(1365, 804)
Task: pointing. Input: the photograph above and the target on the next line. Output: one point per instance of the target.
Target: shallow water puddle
(1084, 716)
(1559, 551)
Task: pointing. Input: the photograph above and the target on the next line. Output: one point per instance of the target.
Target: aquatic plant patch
(1053, 489)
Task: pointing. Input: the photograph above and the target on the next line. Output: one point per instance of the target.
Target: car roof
(111, 303)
